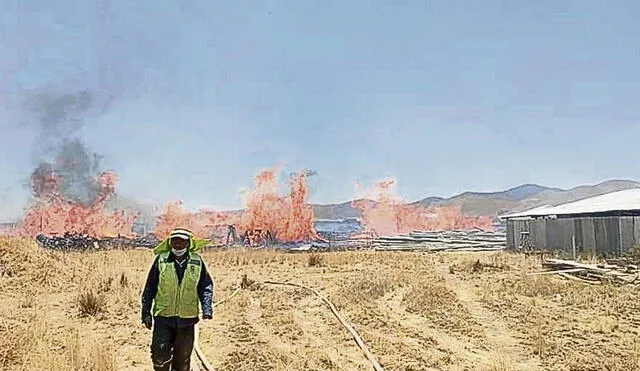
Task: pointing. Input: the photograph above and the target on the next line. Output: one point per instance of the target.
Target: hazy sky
(446, 96)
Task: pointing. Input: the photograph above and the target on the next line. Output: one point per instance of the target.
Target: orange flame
(289, 219)
(389, 215)
(201, 223)
(51, 213)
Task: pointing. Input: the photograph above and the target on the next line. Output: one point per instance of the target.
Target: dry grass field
(415, 311)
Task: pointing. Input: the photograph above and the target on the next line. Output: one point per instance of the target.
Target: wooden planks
(604, 236)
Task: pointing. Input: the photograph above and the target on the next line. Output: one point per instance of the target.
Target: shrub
(90, 304)
(316, 260)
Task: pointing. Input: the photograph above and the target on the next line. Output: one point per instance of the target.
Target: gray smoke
(58, 150)
(57, 117)
(78, 167)
(103, 53)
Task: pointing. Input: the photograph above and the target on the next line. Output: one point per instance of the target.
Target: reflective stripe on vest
(173, 299)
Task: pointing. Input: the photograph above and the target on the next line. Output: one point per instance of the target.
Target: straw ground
(80, 311)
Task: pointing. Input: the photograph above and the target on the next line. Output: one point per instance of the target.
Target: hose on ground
(196, 343)
(356, 337)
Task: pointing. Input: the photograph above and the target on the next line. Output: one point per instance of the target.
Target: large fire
(53, 213)
(286, 218)
(389, 215)
(201, 223)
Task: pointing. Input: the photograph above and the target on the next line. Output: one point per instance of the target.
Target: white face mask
(179, 252)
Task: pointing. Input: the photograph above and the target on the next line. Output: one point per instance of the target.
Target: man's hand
(147, 321)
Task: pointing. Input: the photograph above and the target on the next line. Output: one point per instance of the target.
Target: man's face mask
(179, 246)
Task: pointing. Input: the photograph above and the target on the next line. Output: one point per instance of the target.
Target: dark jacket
(205, 293)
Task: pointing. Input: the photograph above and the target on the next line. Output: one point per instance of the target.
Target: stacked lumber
(592, 273)
(630, 263)
(341, 241)
(83, 242)
(472, 240)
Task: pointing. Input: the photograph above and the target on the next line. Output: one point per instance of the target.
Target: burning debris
(84, 242)
(70, 192)
(268, 218)
(54, 213)
(202, 223)
(287, 218)
(388, 215)
(71, 198)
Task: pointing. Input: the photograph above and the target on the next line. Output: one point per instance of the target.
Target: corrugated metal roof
(536, 211)
(625, 200)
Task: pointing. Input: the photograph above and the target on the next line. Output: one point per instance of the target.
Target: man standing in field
(177, 281)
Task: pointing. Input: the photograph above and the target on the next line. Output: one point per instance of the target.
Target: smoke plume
(59, 152)
(57, 116)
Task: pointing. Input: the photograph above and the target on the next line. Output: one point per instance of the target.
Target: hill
(338, 211)
(471, 203)
(495, 203)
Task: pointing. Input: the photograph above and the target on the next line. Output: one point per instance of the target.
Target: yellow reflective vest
(173, 299)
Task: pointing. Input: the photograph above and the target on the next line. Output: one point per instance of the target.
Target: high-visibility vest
(177, 300)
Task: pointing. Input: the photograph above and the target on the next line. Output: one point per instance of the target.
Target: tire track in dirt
(501, 339)
(423, 345)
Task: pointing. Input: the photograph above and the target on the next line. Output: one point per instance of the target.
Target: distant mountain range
(516, 199)
(520, 198)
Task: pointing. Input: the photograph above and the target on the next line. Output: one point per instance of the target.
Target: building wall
(607, 236)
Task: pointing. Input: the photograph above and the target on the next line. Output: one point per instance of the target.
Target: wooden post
(573, 247)
(620, 232)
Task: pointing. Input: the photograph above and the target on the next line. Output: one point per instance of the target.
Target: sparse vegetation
(124, 281)
(90, 303)
(409, 309)
(315, 260)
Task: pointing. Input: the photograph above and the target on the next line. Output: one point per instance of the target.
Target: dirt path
(436, 348)
(501, 339)
(279, 329)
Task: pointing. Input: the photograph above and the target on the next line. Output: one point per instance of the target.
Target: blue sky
(446, 96)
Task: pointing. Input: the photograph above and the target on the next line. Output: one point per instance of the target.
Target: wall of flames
(289, 218)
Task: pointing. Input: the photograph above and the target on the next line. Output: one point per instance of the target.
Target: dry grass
(34, 347)
(415, 311)
(90, 303)
(366, 289)
(315, 260)
(430, 297)
(501, 362)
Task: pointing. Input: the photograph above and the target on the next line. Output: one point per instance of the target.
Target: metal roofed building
(606, 225)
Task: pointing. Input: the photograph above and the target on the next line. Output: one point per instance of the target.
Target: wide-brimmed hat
(195, 244)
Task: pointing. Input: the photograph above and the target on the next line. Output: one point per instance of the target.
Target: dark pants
(171, 346)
